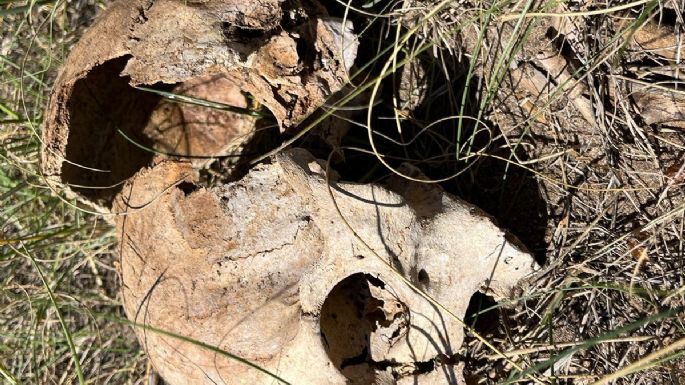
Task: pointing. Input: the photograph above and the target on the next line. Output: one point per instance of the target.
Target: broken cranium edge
(308, 279)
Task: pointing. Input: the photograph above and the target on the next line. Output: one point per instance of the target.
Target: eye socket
(350, 315)
(345, 330)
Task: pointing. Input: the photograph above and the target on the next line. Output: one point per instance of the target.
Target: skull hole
(483, 315)
(187, 187)
(102, 106)
(355, 310)
(424, 278)
(115, 129)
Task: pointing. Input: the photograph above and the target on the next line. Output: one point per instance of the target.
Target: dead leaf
(658, 106)
(558, 68)
(676, 172)
(638, 250)
(658, 39)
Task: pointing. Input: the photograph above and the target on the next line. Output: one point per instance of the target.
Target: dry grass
(563, 148)
(43, 318)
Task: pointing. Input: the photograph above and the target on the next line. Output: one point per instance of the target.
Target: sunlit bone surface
(268, 270)
(102, 120)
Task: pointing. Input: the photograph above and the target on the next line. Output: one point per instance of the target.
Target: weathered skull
(102, 126)
(315, 283)
(314, 287)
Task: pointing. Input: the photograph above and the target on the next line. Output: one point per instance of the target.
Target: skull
(103, 120)
(284, 274)
(288, 274)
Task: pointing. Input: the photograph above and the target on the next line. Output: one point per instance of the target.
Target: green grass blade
(65, 329)
(196, 343)
(203, 103)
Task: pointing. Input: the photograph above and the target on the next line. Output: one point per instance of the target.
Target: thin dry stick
(545, 348)
(514, 16)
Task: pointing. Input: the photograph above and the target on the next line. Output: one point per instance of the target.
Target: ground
(564, 121)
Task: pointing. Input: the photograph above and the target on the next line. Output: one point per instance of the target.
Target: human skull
(285, 273)
(310, 280)
(103, 123)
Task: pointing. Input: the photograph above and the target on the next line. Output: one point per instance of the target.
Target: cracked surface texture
(266, 269)
(288, 56)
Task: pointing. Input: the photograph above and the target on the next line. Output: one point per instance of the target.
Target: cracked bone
(266, 269)
(100, 123)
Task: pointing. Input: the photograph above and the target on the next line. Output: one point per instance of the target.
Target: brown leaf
(533, 110)
(638, 250)
(675, 172)
(658, 106)
(558, 68)
(658, 39)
